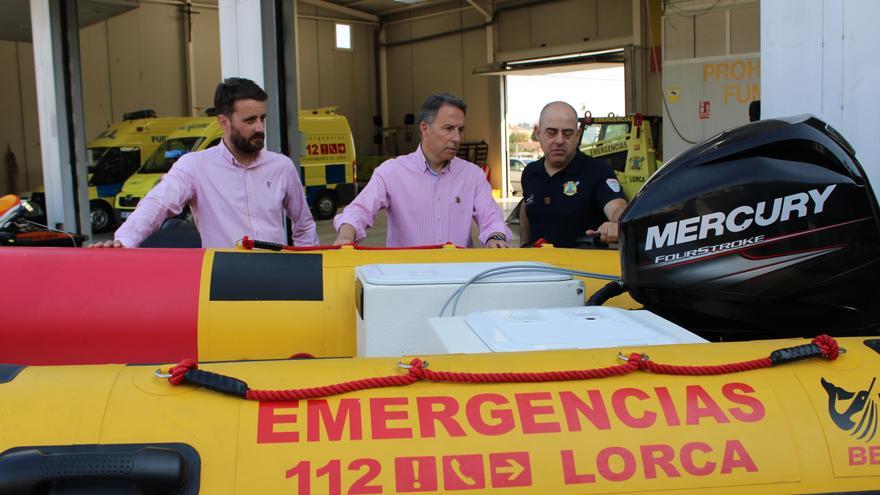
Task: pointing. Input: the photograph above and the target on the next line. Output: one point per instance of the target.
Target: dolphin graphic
(844, 420)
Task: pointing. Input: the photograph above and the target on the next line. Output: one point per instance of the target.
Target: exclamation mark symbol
(415, 474)
(416, 483)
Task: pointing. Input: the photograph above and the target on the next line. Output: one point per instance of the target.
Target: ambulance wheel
(325, 205)
(101, 216)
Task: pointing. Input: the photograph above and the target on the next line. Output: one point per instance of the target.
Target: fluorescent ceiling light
(562, 58)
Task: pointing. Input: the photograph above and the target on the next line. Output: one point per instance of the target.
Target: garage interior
(727, 343)
(696, 63)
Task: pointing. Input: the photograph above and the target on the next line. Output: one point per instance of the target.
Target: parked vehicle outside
(514, 173)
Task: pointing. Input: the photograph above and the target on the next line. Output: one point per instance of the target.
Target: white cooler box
(394, 302)
(582, 327)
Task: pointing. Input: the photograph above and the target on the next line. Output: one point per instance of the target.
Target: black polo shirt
(563, 207)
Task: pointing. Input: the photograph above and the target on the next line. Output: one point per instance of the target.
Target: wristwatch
(497, 237)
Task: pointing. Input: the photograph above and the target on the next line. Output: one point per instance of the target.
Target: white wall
(819, 57)
(710, 54)
(341, 78)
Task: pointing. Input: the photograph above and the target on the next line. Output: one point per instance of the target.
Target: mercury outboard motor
(767, 230)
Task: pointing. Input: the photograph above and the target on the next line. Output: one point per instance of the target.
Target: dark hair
(233, 89)
(428, 111)
(755, 111)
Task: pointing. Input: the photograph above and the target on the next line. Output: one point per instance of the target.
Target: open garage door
(597, 88)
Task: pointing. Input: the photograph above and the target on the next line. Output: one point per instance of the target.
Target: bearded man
(234, 189)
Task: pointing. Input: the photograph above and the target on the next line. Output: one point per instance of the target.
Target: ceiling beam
(484, 7)
(339, 9)
(405, 7)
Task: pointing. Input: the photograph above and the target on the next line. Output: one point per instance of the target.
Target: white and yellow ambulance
(327, 157)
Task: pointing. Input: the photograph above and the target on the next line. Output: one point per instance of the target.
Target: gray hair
(428, 111)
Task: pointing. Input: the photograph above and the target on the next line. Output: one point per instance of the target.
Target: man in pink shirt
(431, 196)
(234, 189)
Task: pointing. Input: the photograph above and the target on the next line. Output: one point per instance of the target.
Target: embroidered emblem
(570, 188)
(530, 199)
(613, 185)
(268, 185)
(457, 199)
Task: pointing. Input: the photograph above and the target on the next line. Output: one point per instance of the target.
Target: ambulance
(113, 156)
(327, 157)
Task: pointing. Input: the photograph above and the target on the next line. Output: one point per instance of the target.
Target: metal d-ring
(408, 366)
(624, 357)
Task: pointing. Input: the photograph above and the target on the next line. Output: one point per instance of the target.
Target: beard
(248, 145)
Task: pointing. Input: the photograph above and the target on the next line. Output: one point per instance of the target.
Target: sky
(600, 91)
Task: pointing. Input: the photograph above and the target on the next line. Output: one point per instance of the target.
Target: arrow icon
(513, 468)
(509, 469)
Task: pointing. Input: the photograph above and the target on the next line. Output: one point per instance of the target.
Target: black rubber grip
(590, 241)
(611, 289)
(271, 246)
(98, 470)
(797, 353)
(217, 383)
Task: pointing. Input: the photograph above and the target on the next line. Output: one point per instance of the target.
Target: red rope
(421, 373)
(721, 369)
(829, 347)
(248, 244)
(426, 246)
(178, 372)
(311, 248)
(328, 390)
(418, 371)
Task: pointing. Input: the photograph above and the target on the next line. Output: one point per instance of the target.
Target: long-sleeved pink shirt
(426, 208)
(228, 200)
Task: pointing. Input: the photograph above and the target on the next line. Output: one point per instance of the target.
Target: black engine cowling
(770, 229)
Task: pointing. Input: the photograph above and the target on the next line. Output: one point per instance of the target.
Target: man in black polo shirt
(567, 194)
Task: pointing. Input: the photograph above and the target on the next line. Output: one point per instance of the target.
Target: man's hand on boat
(497, 240)
(607, 232)
(347, 233)
(106, 244)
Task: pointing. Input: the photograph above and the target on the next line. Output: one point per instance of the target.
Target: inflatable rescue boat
(445, 370)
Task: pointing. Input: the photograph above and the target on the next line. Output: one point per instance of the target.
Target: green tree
(517, 137)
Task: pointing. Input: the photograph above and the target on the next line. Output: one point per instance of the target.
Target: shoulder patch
(613, 185)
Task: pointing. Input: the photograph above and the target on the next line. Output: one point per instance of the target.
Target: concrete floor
(376, 235)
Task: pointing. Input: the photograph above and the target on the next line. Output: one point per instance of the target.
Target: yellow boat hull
(765, 431)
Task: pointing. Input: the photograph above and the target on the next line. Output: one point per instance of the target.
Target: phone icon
(455, 465)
